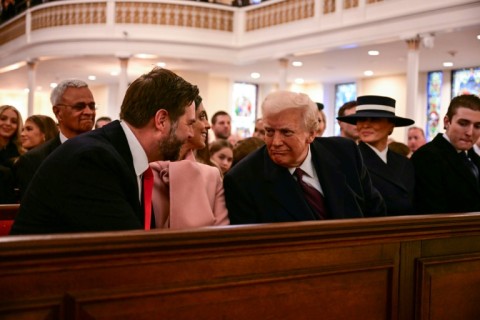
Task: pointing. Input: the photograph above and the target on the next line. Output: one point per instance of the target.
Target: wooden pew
(419, 267)
(7, 215)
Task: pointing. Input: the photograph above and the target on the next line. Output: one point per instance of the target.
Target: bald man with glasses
(74, 107)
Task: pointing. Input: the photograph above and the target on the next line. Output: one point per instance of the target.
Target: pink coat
(187, 194)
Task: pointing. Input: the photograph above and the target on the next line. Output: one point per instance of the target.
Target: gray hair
(281, 100)
(57, 93)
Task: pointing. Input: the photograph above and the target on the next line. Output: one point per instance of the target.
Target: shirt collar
(62, 137)
(140, 160)
(381, 154)
(306, 165)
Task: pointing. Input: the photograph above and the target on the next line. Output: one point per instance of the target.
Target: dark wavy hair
(158, 89)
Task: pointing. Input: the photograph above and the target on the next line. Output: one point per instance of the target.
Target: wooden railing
(419, 267)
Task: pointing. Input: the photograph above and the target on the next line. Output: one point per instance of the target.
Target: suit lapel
(451, 155)
(284, 190)
(332, 179)
(387, 171)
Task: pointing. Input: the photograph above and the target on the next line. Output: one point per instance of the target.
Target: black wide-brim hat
(376, 107)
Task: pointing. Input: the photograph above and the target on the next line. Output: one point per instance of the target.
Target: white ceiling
(459, 46)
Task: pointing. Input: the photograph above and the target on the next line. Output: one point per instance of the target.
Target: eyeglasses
(80, 106)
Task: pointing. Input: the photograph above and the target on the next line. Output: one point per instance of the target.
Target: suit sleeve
(430, 196)
(241, 209)
(99, 195)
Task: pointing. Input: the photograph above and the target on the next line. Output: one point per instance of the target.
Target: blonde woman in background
(11, 124)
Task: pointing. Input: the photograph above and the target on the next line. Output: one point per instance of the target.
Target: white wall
(393, 87)
(217, 95)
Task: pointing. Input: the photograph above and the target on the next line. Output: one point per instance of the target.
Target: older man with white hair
(296, 176)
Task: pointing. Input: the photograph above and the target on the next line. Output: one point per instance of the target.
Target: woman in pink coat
(186, 193)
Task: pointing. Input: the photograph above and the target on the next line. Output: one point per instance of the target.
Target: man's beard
(170, 147)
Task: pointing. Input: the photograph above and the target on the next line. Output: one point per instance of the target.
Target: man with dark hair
(74, 107)
(446, 169)
(94, 182)
(348, 130)
(222, 125)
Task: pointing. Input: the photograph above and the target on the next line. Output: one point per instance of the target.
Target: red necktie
(314, 198)
(147, 196)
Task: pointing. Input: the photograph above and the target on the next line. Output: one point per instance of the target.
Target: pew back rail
(418, 267)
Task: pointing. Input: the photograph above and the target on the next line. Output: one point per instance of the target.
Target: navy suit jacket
(443, 183)
(258, 191)
(87, 184)
(28, 163)
(395, 180)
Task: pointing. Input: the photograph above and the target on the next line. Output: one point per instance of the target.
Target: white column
(122, 79)
(282, 73)
(412, 78)
(31, 66)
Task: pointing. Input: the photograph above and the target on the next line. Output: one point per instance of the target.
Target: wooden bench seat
(419, 267)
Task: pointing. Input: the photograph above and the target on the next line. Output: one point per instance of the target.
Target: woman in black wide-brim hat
(391, 173)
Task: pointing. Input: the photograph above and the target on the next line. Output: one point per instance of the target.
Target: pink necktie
(314, 198)
(147, 196)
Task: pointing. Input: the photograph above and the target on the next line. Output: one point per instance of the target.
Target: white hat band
(377, 107)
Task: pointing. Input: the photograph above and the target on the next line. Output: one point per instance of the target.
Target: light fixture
(368, 73)
(448, 64)
(145, 56)
(255, 75)
(92, 78)
(373, 53)
(297, 63)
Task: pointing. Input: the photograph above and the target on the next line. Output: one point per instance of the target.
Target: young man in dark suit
(93, 182)
(74, 107)
(297, 177)
(446, 169)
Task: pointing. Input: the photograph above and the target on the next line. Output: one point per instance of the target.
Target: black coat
(258, 191)
(28, 163)
(443, 183)
(395, 180)
(87, 184)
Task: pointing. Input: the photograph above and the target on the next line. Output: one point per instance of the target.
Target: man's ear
(446, 122)
(56, 112)
(161, 119)
(311, 137)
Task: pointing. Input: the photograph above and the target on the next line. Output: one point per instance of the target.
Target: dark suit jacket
(86, 184)
(395, 180)
(28, 163)
(257, 190)
(443, 183)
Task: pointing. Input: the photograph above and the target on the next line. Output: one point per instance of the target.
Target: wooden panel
(305, 296)
(379, 268)
(449, 287)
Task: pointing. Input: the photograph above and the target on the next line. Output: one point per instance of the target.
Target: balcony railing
(184, 14)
